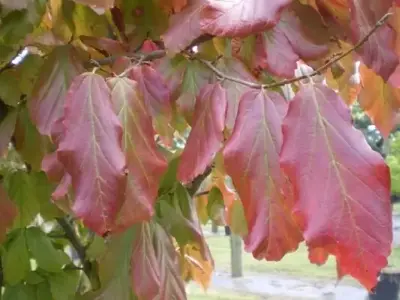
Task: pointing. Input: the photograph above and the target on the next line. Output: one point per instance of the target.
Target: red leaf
(157, 98)
(91, 152)
(145, 270)
(341, 185)
(235, 68)
(46, 105)
(280, 48)
(377, 52)
(144, 163)
(154, 90)
(206, 137)
(239, 18)
(251, 158)
(184, 27)
(8, 212)
(53, 167)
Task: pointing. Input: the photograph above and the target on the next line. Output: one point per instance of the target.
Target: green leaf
(114, 268)
(7, 52)
(168, 180)
(19, 292)
(43, 291)
(238, 223)
(21, 189)
(96, 248)
(14, 27)
(64, 285)
(19, 80)
(177, 215)
(34, 277)
(44, 189)
(15, 260)
(47, 257)
(88, 22)
(28, 142)
(215, 203)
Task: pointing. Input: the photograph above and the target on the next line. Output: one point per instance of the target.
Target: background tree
(116, 114)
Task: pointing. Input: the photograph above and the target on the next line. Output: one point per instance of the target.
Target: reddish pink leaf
(91, 153)
(63, 187)
(377, 52)
(53, 167)
(184, 27)
(239, 18)
(235, 68)
(149, 46)
(154, 90)
(280, 48)
(336, 174)
(144, 163)
(145, 270)
(251, 158)
(8, 212)
(46, 105)
(206, 137)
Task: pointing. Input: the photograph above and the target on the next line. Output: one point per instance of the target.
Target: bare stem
(76, 244)
(161, 53)
(295, 79)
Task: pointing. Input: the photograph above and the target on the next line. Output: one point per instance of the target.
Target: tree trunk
(214, 227)
(236, 255)
(388, 286)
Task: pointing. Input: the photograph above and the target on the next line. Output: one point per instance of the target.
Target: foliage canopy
(131, 122)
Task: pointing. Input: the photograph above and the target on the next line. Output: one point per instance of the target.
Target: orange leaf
(91, 153)
(145, 164)
(380, 100)
(341, 186)
(251, 158)
(206, 137)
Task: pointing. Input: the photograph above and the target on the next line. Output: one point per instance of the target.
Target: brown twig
(76, 244)
(203, 193)
(161, 53)
(295, 79)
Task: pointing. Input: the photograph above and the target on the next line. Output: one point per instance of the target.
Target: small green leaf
(28, 142)
(19, 292)
(34, 278)
(15, 260)
(168, 180)
(48, 258)
(21, 190)
(43, 291)
(9, 89)
(64, 285)
(44, 189)
(215, 203)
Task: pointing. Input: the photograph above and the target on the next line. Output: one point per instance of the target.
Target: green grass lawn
(294, 264)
